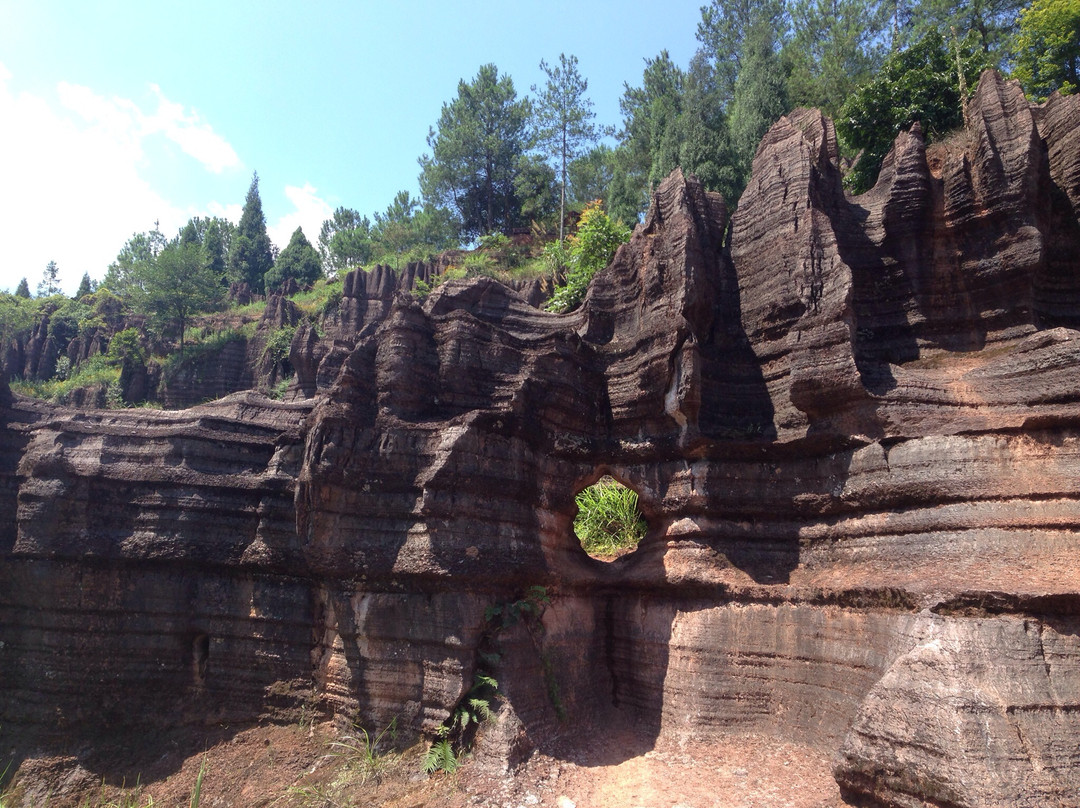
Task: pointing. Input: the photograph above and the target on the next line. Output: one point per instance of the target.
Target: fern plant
(440, 757)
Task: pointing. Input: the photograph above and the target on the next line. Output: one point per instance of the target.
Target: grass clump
(608, 522)
(321, 297)
(98, 370)
(365, 756)
(208, 343)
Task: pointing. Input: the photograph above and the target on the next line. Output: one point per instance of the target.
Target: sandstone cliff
(853, 423)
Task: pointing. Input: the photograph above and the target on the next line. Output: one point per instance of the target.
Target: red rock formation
(853, 423)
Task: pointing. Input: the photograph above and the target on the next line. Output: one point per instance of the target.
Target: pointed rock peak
(685, 196)
(819, 132)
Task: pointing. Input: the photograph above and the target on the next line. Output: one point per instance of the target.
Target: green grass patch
(206, 344)
(320, 297)
(608, 522)
(97, 370)
(251, 310)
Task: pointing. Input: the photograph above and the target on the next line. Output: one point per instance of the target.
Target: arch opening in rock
(609, 523)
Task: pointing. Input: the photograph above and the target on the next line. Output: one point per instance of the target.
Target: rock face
(854, 428)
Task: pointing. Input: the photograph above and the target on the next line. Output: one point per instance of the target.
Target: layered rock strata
(853, 424)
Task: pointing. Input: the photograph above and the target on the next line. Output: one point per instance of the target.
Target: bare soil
(296, 767)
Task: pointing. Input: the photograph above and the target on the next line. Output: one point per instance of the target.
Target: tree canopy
(298, 261)
(920, 83)
(174, 285)
(1048, 48)
(476, 152)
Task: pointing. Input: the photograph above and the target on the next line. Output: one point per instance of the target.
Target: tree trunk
(562, 192)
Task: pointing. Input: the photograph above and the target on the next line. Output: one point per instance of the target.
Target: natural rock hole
(609, 523)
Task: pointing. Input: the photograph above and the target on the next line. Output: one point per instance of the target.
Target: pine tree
(23, 289)
(760, 94)
(299, 261)
(251, 255)
(50, 280)
(476, 154)
(564, 119)
(85, 287)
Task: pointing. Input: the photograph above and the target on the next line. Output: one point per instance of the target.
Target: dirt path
(741, 772)
(291, 767)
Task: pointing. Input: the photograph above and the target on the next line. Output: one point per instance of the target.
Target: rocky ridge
(853, 424)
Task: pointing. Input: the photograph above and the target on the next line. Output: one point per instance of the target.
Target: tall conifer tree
(251, 256)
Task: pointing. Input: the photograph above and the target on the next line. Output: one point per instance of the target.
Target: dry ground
(297, 767)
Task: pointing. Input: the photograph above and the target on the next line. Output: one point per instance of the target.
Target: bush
(278, 343)
(589, 250)
(918, 84)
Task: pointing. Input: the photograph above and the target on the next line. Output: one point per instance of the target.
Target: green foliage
(760, 93)
(608, 520)
(126, 345)
(176, 362)
(299, 261)
(345, 241)
(650, 136)
(251, 254)
(322, 297)
(476, 152)
(174, 286)
(590, 249)
(123, 275)
(23, 289)
(17, 315)
(196, 790)
(50, 281)
(990, 24)
(422, 288)
(278, 343)
(277, 392)
(1048, 48)
(529, 607)
(725, 30)
(85, 287)
(837, 45)
(95, 371)
(921, 84)
(440, 757)
(591, 174)
(563, 119)
(366, 756)
(409, 231)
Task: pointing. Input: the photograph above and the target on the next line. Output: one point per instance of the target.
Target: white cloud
(191, 134)
(309, 211)
(70, 183)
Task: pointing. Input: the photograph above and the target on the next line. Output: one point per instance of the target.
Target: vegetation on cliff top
(502, 165)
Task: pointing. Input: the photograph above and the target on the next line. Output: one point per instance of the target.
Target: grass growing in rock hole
(608, 522)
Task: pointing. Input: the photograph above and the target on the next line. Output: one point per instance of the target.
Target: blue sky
(114, 114)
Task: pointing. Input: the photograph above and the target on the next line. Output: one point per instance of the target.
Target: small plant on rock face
(456, 734)
(441, 758)
(196, 791)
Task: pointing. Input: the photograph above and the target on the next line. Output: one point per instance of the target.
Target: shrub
(278, 343)
(589, 250)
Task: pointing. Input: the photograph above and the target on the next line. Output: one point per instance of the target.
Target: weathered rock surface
(853, 423)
